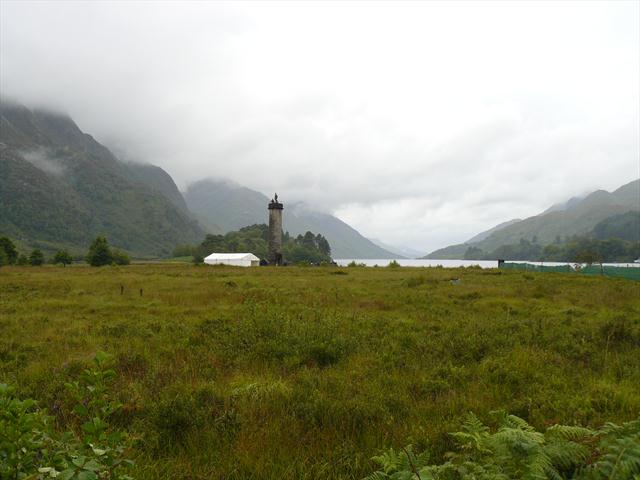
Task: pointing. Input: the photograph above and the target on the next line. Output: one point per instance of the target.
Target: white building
(235, 259)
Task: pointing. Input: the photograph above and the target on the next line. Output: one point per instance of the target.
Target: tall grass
(302, 373)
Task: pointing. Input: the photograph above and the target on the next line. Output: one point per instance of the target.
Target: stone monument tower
(275, 231)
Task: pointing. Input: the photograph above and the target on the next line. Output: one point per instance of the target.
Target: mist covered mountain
(59, 188)
(229, 206)
(576, 217)
(401, 251)
(483, 235)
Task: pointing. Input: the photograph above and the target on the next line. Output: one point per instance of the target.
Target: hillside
(483, 235)
(458, 250)
(157, 179)
(625, 227)
(60, 188)
(231, 206)
(576, 217)
(402, 251)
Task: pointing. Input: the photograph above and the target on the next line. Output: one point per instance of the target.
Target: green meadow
(307, 373)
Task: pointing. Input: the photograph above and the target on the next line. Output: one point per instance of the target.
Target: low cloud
(417, 123)
(43, 160)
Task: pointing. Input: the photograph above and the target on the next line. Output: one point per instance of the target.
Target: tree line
(574, 249)
(99, 254)
(307, 248)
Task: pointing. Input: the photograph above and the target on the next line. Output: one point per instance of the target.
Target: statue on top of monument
(276, 197)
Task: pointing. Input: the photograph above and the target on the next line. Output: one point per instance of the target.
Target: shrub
(353, 263)
(120, 258)
(30, 446)
(415, 281)
(174, 416)
(9, 250)
(63, 257)
(393, 264)
(183, 251)
(99, 253)
(36, 258)
(23, 260)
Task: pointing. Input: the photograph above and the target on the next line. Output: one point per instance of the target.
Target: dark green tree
(309, 241)
(183, 251)
(62, 257)
(99, 253)
(9, 249)
(36, 258)
(23, 260)
(323, 245)
(3, 258)
(309, 248)
(587, 256)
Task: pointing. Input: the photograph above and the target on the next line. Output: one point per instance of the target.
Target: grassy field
(293, 373)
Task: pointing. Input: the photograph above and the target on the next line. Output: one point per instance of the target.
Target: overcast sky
(419, 124)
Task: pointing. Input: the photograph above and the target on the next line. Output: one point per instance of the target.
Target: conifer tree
(99, 253)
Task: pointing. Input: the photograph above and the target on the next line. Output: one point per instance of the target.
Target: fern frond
(513, 421)
(377, 476)
(566, 454)
(568, 432)
(618, 453)
(472, 424)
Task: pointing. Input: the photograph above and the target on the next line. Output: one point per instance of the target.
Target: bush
(9, 250)
(393, 264)
(99, 253)
(36, 258)
(23, 260)
(174, 416)
(183, 251)
(353, 263)
(31, 447)
(63, 257)
(120, 258)
(415, 281)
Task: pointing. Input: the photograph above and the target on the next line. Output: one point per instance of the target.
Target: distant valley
(59, 188)
(600, 215)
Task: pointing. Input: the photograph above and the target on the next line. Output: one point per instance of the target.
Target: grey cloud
(43, 160)
(456, 119)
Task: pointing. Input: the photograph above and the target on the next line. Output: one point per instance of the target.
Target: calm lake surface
(412, 262)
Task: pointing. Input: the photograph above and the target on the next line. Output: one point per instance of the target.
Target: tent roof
(232, 256)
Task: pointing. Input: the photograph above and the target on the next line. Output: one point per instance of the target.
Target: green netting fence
(630, 273)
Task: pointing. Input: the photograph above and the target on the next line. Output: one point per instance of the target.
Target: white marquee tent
(236, 259)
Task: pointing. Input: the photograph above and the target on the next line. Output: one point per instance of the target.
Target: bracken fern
(515, 450)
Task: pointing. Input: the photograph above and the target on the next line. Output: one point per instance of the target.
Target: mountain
(576, 217)
(625, 226)
(450, 252)
(562, 206)
(482, 235)
(457, 251)
(157, 179)
(400, 250)
(345, 241)
(223, 206)
(230, 206)
(59, 188)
